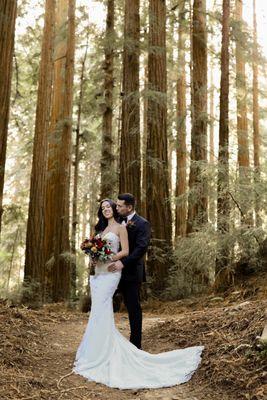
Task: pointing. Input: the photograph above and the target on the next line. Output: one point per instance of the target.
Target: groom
(132, 266)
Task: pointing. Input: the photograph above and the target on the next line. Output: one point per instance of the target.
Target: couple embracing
(104, 354)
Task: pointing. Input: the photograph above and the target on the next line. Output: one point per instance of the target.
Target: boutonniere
(130, 224)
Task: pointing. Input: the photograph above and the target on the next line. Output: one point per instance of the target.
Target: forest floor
(37, 348)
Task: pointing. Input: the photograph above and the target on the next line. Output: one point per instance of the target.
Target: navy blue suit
(133, 274)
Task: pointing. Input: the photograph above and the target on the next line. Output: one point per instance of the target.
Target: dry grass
(232, 362)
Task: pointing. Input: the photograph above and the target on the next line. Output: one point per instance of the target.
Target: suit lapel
(135, 217)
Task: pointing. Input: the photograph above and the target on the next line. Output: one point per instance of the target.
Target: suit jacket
(139, 236)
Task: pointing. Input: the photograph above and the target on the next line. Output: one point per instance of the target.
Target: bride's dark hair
(102, 222)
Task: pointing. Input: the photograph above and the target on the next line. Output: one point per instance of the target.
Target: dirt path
(37, 350)
(62, 341)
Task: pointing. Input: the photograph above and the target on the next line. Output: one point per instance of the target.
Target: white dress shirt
(129, 217)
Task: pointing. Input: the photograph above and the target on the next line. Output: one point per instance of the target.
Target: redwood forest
(163, 99)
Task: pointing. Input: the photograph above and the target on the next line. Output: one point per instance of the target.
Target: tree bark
(212, 200)
(212, 117)
(223, 207)
(107, 158)
(256, 130)
(8, 12)
(171, 97)
(58, 182)
(180, 208)
(197, 201)
(75, 217)
(157, 192)
(130, 156)
(35, 256)
(144, 144)
(242, 122)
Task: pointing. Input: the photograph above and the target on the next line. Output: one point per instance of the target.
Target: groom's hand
(115, 266)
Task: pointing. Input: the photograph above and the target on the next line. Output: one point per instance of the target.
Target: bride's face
(107, 209)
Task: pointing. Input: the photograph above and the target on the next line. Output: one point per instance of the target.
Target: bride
(104, 354)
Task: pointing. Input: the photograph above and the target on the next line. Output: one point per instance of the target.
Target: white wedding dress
(107, 357)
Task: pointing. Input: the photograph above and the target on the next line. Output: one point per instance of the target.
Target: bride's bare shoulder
(122, 229)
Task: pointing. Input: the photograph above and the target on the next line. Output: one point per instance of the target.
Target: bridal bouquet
(97, 248)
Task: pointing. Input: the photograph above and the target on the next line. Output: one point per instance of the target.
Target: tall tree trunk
(212, 201)
(223, 209)
(157, 192)
(84, 216)
(58, 182)
(242, 123)
(107, 158)
(256, 131)
(180, 208)
(130, 157)
(8, 12)
(144, 144)
(75, 217)
(197, 201)
(171, 92)
(212, 117)
(35, 257)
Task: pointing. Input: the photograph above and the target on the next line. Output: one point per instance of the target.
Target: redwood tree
(223, 210)
(144, 144)
(130, 156)
(241, 95)
(8, 11)
(58, 180)
(256, 130)
(242, 120)
(197, 202)
(212, 201)
(35, 258)
(107, 174)
(180, 209)
(157, 190)
(75, 216)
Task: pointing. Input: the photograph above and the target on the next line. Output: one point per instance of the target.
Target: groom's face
(123, 209)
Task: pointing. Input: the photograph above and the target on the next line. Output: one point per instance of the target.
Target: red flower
(99, 245)
(130, 224)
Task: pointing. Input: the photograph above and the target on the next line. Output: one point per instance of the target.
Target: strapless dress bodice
(114, 242)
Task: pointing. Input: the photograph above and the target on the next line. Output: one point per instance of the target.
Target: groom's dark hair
(128, 198)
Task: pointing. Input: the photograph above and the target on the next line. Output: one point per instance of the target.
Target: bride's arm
(123, 235)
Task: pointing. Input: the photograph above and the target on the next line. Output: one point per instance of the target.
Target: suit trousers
(131, 297)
